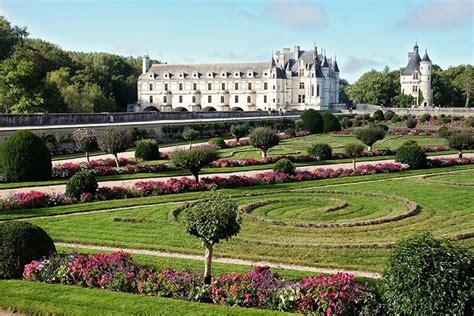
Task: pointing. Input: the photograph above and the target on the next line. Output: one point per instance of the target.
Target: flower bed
(396, 132)
(336, 294)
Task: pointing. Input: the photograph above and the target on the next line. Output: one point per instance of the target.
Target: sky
(363, 35)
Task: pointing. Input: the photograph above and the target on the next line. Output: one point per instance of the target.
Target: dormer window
(224, 75)
(237, 74)
(151, 76)
(210, 75)
(195, 74)
(181, 75)
(415, 75)
(166, 75)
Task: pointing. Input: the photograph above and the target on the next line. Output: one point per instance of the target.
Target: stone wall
(369, 109)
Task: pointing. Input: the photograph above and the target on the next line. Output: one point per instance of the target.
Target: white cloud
(296, 14)
(356, 65)
(438, 15)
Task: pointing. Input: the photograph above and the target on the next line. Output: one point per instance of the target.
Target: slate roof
(426, 57)
(413, 64)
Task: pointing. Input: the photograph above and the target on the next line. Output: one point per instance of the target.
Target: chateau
(292, 79)
(415, 79)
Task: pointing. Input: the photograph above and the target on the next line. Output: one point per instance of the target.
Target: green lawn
(444, 210)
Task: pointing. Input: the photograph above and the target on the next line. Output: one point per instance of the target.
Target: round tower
(425, 81)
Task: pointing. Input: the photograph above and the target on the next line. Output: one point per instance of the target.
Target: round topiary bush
(444, 132)
(21, 243)
(396, 119)
(378, 115)
(217, 141)
(312, 121)
(428, 276)
(238, 131)
(147, 149)
(330, 122)
(263, 138)
(424, 117)
(320, 151)
(82, 182)
(412, 155)
(389, 115)
(285, 166)
(25, 157)
(411, 123)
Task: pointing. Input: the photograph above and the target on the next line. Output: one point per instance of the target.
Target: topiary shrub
(147, 149)
(370, 135)
(114, 140)
(82, 182)
(21, 243)
(460, 142)
(389, 115)
(238, 131)
(330, 122)
(428, 276)
(85, 139)
(353, 151)
(285, 166)
(411, 123)
(424, 117)
(412, 155)
(320, 151)
(312, 121)
(217, 141)
(189, 135)
(378, 115)
(444, 132)
(25, 157)
(263, 138)
(194, 159)
(396, 119)
(357, 122)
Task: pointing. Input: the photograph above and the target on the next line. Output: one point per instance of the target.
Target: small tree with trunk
(354, 151)
(114, 140)
(212, 220)
(264, 138)
(85, 139)
(238, 131)
(460, 142)
(370, 135)
(189, 135)
(194, 159)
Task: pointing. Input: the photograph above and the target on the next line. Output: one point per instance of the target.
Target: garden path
(60, 188)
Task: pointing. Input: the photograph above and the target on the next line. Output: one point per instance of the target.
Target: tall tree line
(38, 76)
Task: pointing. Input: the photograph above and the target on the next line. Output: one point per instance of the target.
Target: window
(274, 87)
(301, 72)
(265, 86)
(301, 98)
(236, 99)
(249, 86)
(223, 86)
(236, 86)
(209, 86)
(209, 98)
(301, 85)
(194, 99)
(413, 101)
(151, 99)
(166, 87)
(312, 90)
(195, 86)
(180, 99)
(164, 100)
(151, 86)
(414, 89)
(249, 100)
(180, 86)
(415, 75)
(222, 99)
(317, 90)
(264, 99)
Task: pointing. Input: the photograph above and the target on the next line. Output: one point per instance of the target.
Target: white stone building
(415, 79)
(293, 79)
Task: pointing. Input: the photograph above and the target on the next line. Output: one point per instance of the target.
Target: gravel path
(157, 253)
(60, 188)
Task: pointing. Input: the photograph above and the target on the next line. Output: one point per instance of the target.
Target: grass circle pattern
(465, 178)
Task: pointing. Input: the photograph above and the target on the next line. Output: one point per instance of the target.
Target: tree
(189, 135)
(460, 142)
(343, 97)
(370, 135)
(354, 151)
(85, 139)
(212, 220)
(238, 131)
(264, 138)
(464, 82)
(330, 122)
(114, 140)
(411, 154)
(10, 36)
(194, 159)
(421, 98)
(312, 121)
(404, 100)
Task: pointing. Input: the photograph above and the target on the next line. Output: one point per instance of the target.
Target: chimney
(145, 64)
(296, 49)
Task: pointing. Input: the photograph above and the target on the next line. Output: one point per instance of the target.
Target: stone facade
(293, 80)
(415, 79)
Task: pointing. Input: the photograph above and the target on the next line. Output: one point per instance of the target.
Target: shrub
(25, 157)
(212, 220)
(194, 159)
(353, 151)
(330, 122)
(389, 115)
(82, 182)
(85, 139)
(21, 243)
(263, 138)
(238, 131)
(411, 123)
(320, 151)
(445, 120)
(114, 140)
(299, 124)
(378, 115)
(396, 119)
(370, 135)
(285, 166)
(189, 135)
(428, 276)
(217, 141)
(411, 154)
(469, 122)
(425, 117)
(312, 121)
(346, 122)
(444, 132)
(147, 149)
(460, 142)
(357, 122)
